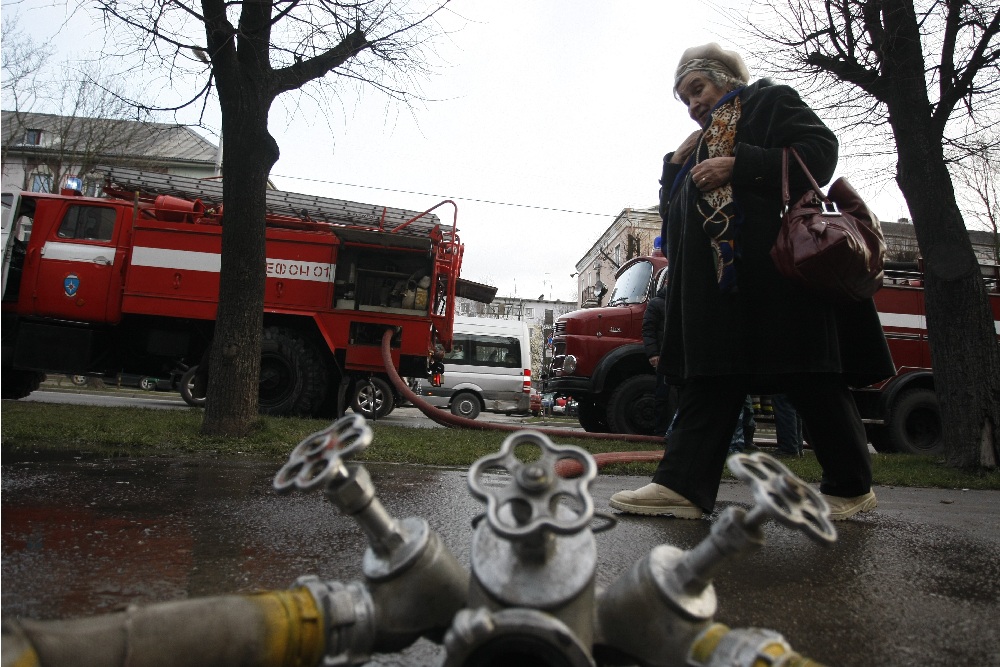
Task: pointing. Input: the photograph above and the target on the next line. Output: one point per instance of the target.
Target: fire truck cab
(129, 282)
(598, 357)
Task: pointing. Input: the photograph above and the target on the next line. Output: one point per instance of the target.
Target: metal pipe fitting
(420, 600)
(646, 616)
(535, 550)
(349, 620)
(483, 638)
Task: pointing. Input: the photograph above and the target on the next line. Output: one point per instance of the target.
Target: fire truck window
(88, 223)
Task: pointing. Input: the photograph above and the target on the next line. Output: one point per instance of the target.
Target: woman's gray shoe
(656, 500)
(844, 508)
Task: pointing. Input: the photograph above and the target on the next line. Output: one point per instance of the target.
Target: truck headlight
(569, 364)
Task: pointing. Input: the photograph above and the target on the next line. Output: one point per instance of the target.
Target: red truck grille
(559, 328)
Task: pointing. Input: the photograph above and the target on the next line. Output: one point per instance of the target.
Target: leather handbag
(831, 244)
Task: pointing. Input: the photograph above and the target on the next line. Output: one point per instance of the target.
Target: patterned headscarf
(712, 57)
(707, 65)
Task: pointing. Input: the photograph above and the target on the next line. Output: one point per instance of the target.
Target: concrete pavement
(915, 582)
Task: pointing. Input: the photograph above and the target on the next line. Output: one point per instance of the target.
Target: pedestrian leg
(698, 445)
(836, 432)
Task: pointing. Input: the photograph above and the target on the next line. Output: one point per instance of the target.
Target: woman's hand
(713, 173)
(681, 155)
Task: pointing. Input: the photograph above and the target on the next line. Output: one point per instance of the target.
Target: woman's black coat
(769, 326)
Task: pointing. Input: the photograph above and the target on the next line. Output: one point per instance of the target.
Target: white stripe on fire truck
(286, 269)
(902, 320)
(78, 252)
(905, 321)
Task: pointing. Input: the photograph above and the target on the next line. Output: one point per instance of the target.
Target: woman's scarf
(720, 217)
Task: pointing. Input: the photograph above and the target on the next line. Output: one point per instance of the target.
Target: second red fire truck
(599, 360)
(129, 283)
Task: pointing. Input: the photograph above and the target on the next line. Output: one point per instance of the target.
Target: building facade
(632, 234)
(47, 152)
(901, 243)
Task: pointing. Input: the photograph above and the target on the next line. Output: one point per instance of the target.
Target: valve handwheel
(535, 488)
(320, 457)
(783, 496)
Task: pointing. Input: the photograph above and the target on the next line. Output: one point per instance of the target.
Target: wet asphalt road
(916, 582)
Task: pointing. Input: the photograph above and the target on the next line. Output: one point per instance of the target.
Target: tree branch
(295, 76)
(852, 72)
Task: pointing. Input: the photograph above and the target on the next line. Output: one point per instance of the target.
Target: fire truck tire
(372, 399)
(914, 425)
(632, 408)
(18, 384)
(186, 389)
(292, 374)
(465, 404)
(593, 417)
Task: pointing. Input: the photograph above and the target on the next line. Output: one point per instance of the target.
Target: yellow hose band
(294, 636)
(706, 643)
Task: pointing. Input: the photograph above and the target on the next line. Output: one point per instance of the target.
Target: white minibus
(488, 368)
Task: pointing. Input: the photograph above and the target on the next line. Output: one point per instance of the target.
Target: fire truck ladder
(339, 212)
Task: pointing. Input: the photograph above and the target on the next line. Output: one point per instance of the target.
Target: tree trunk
(249, 153)
(964, 351)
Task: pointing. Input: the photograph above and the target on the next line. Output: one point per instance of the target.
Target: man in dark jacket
(652, 342)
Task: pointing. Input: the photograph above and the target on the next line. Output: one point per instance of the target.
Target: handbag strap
(785, 195)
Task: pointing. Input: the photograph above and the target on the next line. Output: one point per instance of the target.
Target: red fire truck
(129, 282)
(599, 359)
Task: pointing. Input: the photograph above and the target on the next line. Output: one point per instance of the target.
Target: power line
(427, 194)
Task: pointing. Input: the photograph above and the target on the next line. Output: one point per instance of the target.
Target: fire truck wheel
(372, 400)
(632, 408)
(915, 423)
(465, 404)
(593, 417)
(186, 389)
(292, 374)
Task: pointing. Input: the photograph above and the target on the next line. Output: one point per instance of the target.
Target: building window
(33, 138)
(41, 182)
(529, 312)
(92, 187)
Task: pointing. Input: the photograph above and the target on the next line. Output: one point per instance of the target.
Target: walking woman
(734, 326)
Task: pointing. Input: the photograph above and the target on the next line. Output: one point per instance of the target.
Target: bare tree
(23, 61)
(929, 73)
(88, 126)
(82, 119)
(249, 53)
(980, 181)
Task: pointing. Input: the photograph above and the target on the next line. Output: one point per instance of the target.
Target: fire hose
(567, 468)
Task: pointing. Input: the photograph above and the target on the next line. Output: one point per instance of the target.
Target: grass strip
(30, 430)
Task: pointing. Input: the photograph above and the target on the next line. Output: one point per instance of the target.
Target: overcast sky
(548, 118)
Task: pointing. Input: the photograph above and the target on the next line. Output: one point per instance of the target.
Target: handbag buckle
(829, 208)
